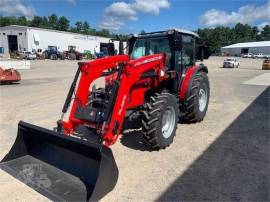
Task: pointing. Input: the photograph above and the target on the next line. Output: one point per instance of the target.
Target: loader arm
(89, 72)
(130, 72)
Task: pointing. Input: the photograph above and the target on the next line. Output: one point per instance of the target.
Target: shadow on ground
(8, 83)
(236, 166)
(132, 136)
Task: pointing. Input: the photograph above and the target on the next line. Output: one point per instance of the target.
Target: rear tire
(196, 103)
(160, 119)
(53, 57)
(71, 56)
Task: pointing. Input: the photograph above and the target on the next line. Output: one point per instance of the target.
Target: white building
(249, 47)
(22, 38)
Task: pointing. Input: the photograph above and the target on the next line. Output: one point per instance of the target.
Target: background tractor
(158, 80)
(108, 49)
(72, 54)
(53, 53)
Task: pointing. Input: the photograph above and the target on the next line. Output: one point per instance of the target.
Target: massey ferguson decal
(122, 105)
(148, 60)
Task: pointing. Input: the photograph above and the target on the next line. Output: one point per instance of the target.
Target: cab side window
(186, 56)
(188, 49)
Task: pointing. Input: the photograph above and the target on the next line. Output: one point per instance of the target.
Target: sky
(133, 16)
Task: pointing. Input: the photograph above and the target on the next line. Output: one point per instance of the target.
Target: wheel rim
(202, 99)
(168, 122)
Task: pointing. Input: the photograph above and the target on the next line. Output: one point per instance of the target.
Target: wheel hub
(202, 99)
(168, 122)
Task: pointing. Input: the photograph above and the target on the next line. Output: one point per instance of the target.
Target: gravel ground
(223, 158)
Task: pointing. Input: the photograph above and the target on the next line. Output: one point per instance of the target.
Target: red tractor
(72, 54)
(158, 79)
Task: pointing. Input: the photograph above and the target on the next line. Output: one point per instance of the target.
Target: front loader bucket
(60, 167)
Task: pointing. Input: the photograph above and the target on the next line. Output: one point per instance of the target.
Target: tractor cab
(182, 48)
(71, 48)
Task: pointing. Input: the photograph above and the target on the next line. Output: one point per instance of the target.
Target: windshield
(52, 48)
(230, 59)
(143, 47)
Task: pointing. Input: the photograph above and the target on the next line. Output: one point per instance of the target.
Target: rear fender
(188, 79)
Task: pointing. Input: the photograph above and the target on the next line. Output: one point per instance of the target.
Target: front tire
(46, 56)
(62, 57)
(197, 100)
(160, 119)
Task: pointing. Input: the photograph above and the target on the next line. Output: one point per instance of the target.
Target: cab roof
(169, 31)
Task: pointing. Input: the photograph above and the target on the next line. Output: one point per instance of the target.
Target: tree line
(223, 36)
(54, 22)
(215, 38)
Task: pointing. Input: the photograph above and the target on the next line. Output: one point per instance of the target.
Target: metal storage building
(249, 47)
(22, 38)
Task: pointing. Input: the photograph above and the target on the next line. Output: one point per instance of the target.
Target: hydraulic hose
(71, 90)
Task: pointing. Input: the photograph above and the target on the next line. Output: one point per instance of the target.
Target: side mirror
(110, 49)
(121, 47)
(130, 43)
(202, 52)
